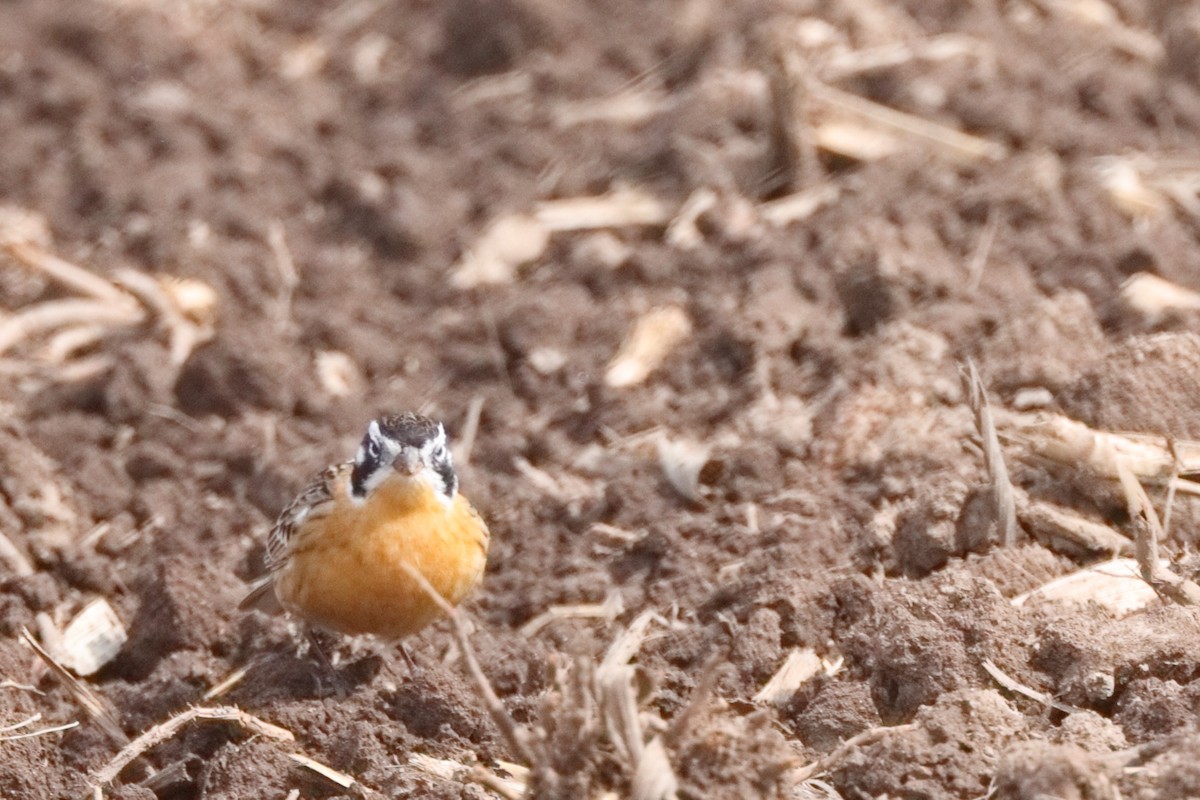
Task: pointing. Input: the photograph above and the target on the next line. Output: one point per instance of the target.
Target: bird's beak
(408, 462)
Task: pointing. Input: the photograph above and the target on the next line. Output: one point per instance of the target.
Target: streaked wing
(315, 500)
(485, 535)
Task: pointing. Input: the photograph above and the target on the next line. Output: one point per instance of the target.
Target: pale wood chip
(651, 338)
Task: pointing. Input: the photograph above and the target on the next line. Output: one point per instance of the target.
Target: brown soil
(823, 372)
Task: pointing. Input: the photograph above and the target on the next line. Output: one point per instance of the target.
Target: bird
(339, 555)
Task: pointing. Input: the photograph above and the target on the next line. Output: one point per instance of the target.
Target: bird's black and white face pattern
(408, 444)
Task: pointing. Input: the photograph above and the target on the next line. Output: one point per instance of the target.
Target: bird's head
(407, 445)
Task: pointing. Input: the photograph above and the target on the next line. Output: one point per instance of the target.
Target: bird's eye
(373, 449)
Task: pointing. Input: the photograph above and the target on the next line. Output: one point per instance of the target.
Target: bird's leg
(408, 659)
(314, 644)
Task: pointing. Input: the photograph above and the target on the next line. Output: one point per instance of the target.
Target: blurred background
(692, 285)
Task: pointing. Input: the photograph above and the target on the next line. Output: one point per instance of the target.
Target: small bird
(337, 554)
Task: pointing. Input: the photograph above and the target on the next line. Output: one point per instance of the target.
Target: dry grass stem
(813, 789)
(1185, 485)
(48, 633)
(1148, 533)
(799, 206)
(801, 664)
(612, 539)
(705, 687)
(619, 710)
(594, 704)
(172, 775)
(792, 146)
(847, 747)
(1075, 445)
(950, 143)
(620, 208)
(629, 641)
(225, 686)
(69, 341)
(565, 486)
(68, 275)
(1015, 686)
(66, 726)
(516, 737)
(54, 314)
(11, 555)
(983, 250)
(612, 607)
(496, 347)
(25, 723)
(165, 730)
(632, 441)
(24, 687)
(438, 767)
(993, 458)
(1102, 16)
(470, 429)
(77, 371)
(615, 678)
(1145, 522)
(683, 232)
(894, 54)
(1147, 184)
(328, 773)
(514, 86)
(851, 139)
(538, 478)
(285, 266)
(627, 108)
(510, 788)
(1067, 532)
(185, 308)
(1172, 488)
(87, 699)
(515, 239)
